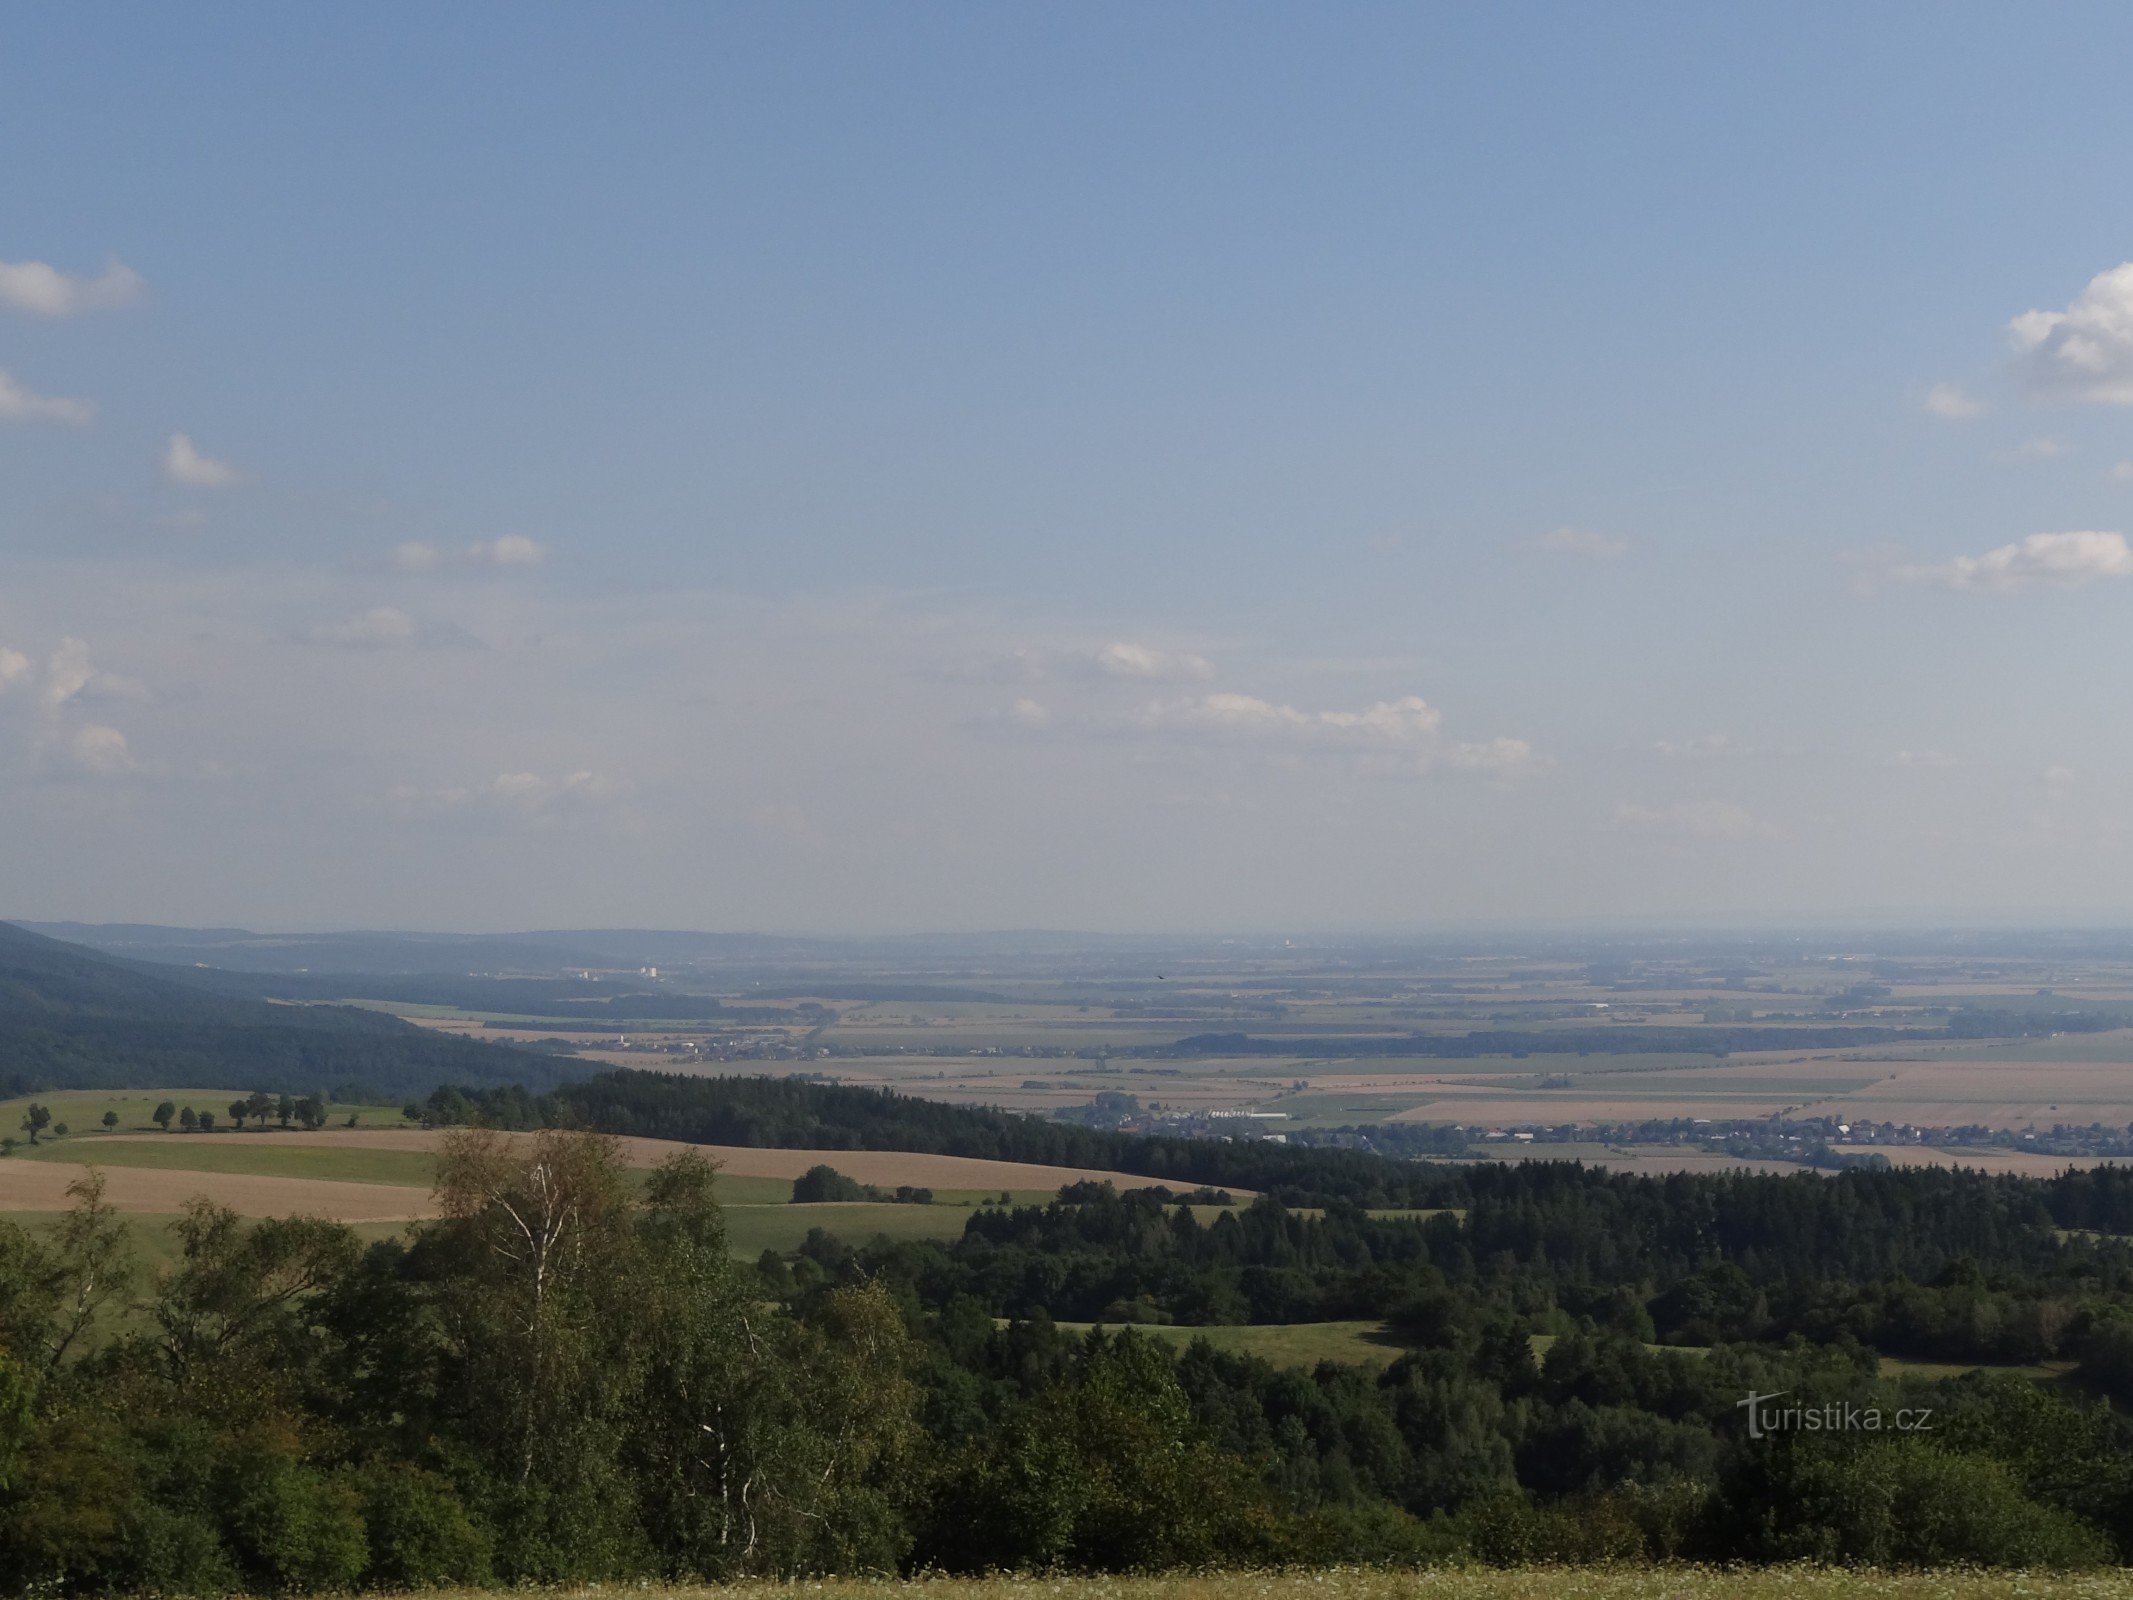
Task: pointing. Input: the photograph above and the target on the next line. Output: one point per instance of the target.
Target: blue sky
(956, 466)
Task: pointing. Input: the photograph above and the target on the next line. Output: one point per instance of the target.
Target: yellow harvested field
(1486, 1108)
(42, 1186)
(1997, 1094)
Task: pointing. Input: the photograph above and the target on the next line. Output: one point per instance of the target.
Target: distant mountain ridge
(74, 1018)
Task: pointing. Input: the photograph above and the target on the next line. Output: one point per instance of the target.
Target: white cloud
(45, 291)
(1924, 760)
(2123, 472)
(21, 404)
(184, 464)
(1389, 736)
(2060, 777)
(2038, 449)
(101, 750)
(1123, 660)
(1409, 720)
(380, 628)
(512, 550)
(2064, 560)
(1694, 819)
(2084, 353)
(520, 794)
(1702, 744)
(1502, 758)
(1582, 542)
(66, 674)
(1950, 401)
(531, 791)
(1028, 713)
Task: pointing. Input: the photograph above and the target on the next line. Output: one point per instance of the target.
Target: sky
(1122, 467)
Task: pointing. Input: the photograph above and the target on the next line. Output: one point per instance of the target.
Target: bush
(420, 1534)
(825, 1183)
(1903, 1502)
(291, 1526)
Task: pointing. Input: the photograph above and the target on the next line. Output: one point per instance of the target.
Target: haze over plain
(817, 469)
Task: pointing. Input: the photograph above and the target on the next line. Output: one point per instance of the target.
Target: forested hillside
(572, 1378)
(73, 1019)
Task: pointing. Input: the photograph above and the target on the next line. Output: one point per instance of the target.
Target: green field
(264, 1155)
(752, 1229)
(83, 1109)
(1934, 1371)
(1292, 1344)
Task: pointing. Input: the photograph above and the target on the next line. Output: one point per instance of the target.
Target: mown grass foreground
(1436, 1583)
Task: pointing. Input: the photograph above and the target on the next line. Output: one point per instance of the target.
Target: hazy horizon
(1137, 470)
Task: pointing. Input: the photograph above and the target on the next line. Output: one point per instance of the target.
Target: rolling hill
(71, 1018)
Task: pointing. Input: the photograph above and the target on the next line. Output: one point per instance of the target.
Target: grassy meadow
(1435, 1583)
(1293, 1344)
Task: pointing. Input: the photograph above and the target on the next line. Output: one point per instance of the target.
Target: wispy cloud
(2038, 449)
(184, 464)
(2060, 560)
(1124, 660)
(68, 674)
(102, 751)
(1583, 543)
(1695, 819)
(379, 628)
(44, 291)
(66, 679)
(1402, 734)
(526, 795)
(1406, 721)
(20, 403)
(512, 550)
(1702, 744)
(390, 628)
(1952, 403)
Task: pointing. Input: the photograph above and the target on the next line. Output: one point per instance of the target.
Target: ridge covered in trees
(73, 1019)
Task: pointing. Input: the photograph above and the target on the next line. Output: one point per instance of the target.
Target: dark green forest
(571, 1377)
(70, 1019)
